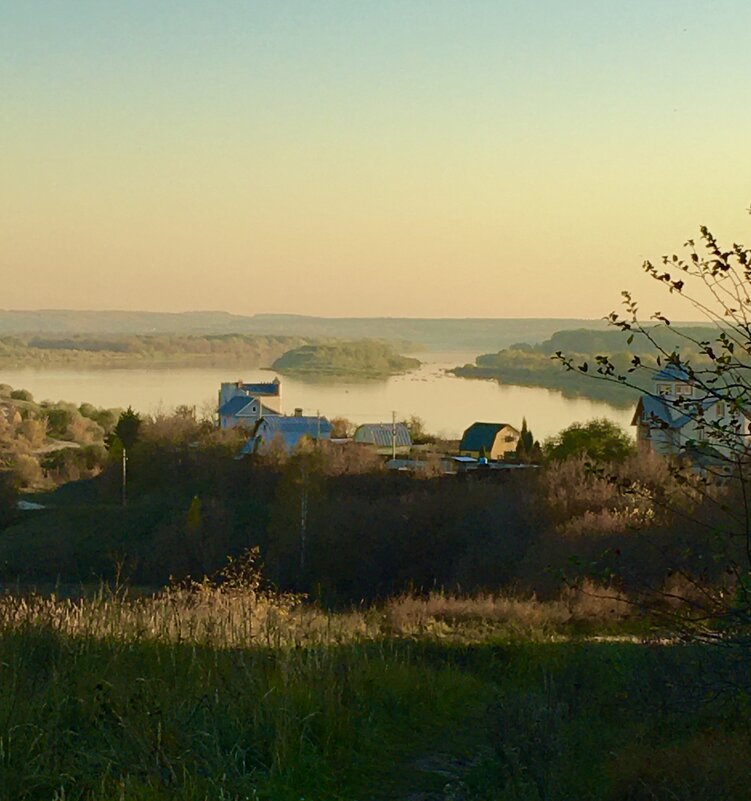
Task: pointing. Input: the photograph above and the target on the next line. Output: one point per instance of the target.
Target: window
(684, 389)
(664, 389)
(720, 409)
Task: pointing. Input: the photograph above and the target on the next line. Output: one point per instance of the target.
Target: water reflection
(447, 404)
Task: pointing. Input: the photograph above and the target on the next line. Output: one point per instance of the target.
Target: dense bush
(49, 443)
(331, 522)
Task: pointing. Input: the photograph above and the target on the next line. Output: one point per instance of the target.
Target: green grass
(221, 696)
(142, 720)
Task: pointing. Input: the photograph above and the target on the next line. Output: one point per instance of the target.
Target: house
(243, 404)
(286, 432)
(493, 440)
(679, 417)
(385, 437)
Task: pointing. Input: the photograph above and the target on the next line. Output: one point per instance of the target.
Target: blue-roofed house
(679, 417)
(242, 404)
(286, 432)
(493, 440)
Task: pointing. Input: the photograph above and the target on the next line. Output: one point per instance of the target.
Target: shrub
(601, 440)
(27, 471)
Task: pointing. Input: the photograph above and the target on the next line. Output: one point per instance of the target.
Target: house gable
(495, 439)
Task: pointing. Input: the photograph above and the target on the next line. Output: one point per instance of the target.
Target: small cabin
(493, 440)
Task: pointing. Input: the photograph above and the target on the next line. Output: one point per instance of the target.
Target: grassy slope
(108, 707)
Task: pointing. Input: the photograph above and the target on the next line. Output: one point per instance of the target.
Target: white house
(678, 413)
(243, 404)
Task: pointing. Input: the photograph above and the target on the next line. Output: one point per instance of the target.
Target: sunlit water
(446, 404)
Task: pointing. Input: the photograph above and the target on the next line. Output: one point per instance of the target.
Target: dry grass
(243, 617)
(439, 613)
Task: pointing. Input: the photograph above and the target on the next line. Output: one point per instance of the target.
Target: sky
(419, 158)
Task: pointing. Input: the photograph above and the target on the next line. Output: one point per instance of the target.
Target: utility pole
(125, 477)
(393, 434)
(303, 516)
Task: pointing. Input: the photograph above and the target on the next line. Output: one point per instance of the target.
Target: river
(446, 404)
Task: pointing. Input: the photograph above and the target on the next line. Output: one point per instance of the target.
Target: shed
(384, 436)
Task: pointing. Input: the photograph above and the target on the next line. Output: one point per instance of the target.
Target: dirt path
(439, 776)
(437, 773)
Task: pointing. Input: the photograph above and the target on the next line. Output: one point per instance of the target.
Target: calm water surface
(447, 404)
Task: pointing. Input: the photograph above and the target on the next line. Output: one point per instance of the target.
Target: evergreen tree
(126, 433)
(527, 448)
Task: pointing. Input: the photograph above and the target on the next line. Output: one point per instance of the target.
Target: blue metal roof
(672, 416)
(269, 388)
(672, 373)
(234, 405)
(289, 429)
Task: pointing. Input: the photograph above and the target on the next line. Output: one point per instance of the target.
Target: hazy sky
(389, 157)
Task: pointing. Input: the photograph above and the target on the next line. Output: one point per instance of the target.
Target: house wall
(227, 421)
(668, 442)
(505, 442)
(273, 402)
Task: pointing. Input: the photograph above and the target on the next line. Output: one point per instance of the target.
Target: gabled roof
(380, 435)
(239, 406)
(670, 415)
(481, 435)
(289, 429)
(265, 412)
(235, 405)
(296, 423)
(672, 373)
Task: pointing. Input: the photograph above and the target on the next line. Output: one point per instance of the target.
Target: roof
(381, 434)
(269, 388)
(235, 405)
(672, 373)
(289, 429)
(265, 412)
(481, 435)
(670, 415)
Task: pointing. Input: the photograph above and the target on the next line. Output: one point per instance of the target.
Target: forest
(537, 365)
(364, 358)
(150, 350)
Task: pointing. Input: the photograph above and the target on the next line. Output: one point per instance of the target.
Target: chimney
(298, 412)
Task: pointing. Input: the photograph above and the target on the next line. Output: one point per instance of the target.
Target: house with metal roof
(681, 418)
(384, 437)
(286, 432)
(242, 404)
(493, 440)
